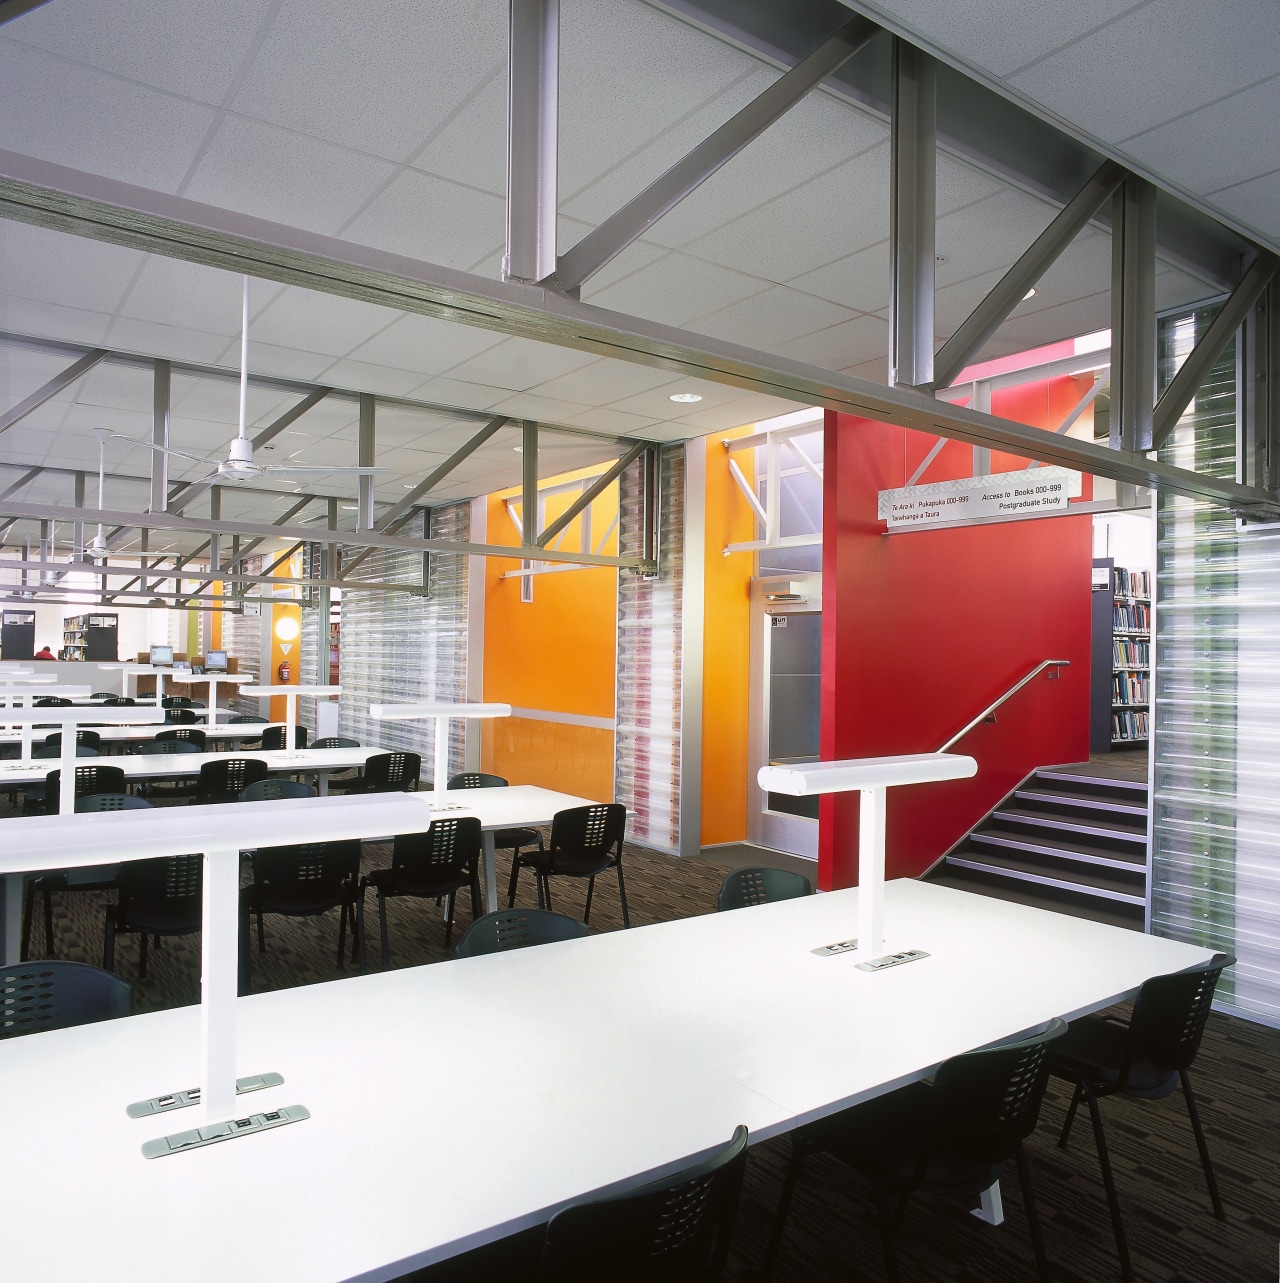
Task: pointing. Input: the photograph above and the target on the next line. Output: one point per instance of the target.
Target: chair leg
(246, 954)
(48, 921)
(356, 919)
(109, 948)
(886, 1234)
(364, 960)
(382, 923)
(28, 911)
(586, 913)
(342, 935)
(515, 877)
(1209, 1177)
(1033, 1215)
(545, 895)
(1071, 1116)
(142, 957)
(1108, 1182)
(262, 938)
(448, 918)
(780, 1216)
(622, 893)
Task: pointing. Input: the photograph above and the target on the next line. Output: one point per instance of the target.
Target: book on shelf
(1131, 583)
(1129, 727)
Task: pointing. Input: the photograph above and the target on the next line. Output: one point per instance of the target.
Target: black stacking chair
(517, 929)
(35, 996)
(675, 1230)
(103, 695)
(183, 716)
(159, 897)
(273, 789)
(225, 778)
(162, 788)
(395, 772)
(303, 882)
(439, 862)
(585, 842)
(503, 839)
(119, 701)
(335, 741)
(52, 701)
(274, 737)
(952, 1136)
(92, 778)
(97, 877)
(83, 737)
(1145, 1056)
(340, 781)
(33, 795)
(745, 887)
(189, 734)
(247, 719)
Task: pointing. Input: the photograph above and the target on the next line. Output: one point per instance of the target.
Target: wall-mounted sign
(1003, 494)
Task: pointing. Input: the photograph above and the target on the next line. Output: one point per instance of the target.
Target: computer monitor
(162, 656)
(215, 661)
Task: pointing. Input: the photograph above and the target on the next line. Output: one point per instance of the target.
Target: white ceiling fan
(97, 549)
(239, 464)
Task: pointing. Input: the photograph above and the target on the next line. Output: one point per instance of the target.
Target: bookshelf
(1130, 657)
(90, 637)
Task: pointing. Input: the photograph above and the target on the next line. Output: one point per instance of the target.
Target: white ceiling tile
(859, 282)
(278, 362)
(603, 382)
(188, 47)
(770, 319)
(529, 405)
(843, 210)
(318, 322)
(426, 344)
(471, 148)
(132, 335)
(75, 116)
(54, 267)
(1158, 61)
(287, 177)
(431, 219)
(861, 339)
(675, 289)
(520, 364)
(736, 414)
(52, 321)
(191, 296)
(657, 403)
(960, 184)
(607, 419)
(362, 376)
(1256, 203)
(441, 390)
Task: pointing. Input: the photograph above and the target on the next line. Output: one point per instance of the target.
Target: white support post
(441, 772)
(871, 826)
(67, 769)
(219, 982)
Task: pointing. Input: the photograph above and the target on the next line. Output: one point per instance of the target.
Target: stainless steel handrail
(1009, 694)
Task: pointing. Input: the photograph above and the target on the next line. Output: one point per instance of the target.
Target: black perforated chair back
(448, 846)
(53, 701)
(162, 894)
(55, 750)
(119, 701)
(392, 772)
(178, 701)
(310, 874)
(182, 716)
(335, 741)
(586, 831)
(103, 695)
(225, 778)
(745, 887)
(477, 780)
(35, 996)
(246, 719)
(517, 929)
(272, 790)
(89, 779)
(189, 734)
(274, 737)
(112, 802)
(1170, 1012)
(146, 748)
(83, 737)
(986, 1101)
(673, 1231)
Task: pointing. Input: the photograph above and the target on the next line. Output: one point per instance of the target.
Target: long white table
(130, 735)
(614, 1059)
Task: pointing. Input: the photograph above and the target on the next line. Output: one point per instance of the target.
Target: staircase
(1064, 839)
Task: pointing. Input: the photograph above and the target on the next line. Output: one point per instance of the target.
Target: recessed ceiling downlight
(685, 398)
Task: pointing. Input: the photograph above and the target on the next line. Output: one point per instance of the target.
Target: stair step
(1089, 883)
(1069, 801)
(1111, 912)
(1096, 826)
(1078, 852)
(1134, 788)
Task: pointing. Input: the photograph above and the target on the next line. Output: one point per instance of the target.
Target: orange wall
(284, 610)
(556, 654)
(726, 646)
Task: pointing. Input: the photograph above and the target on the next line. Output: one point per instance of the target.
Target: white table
(291, 694)
(441, 714)
(214, 680)
(126, 735)
(669, 1035)
(133, 671)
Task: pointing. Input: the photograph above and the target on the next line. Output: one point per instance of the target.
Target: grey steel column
(144, 584)
(692, 620)
(1133, 315)
(77, 527)
(532, 129)
(45, 550)
(160, 436)
(26, 557)
(912, 194)
(215, 541)
(364, 491)
(981, 454)
(1257, 399)
(529, 495)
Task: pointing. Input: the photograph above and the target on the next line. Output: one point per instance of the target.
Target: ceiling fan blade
(317, 470)
(182, 454)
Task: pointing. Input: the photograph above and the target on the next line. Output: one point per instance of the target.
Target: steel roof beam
(51, 389)
(589, 495)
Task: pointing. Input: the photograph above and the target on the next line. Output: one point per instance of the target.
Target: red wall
(921, 630)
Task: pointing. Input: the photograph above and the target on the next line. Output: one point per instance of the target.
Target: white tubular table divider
(290, 694)
(441, 712)
(10, 692)
(68, 719)
(872, 777)
(137, 670)
(214, 679)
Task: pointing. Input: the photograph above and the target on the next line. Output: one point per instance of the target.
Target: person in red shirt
(44, 653)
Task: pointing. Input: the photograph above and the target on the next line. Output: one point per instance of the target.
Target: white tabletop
(615, 1058)
(132, 734)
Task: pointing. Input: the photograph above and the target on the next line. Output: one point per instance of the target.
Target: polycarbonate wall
(1216, 835)
(647, 743)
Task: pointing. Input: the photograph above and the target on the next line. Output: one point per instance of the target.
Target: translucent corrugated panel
(397, 647)
(647, 744)
(242, 640)
(1216, 835)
